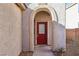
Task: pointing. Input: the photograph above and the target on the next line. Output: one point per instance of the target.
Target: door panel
(41, 32)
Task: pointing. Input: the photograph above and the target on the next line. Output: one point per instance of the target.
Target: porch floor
(43, 50)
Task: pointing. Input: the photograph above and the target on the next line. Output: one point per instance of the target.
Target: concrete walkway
(43, 50)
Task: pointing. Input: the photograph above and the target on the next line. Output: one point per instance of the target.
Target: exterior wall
(10, 30)
(60, 10)
(26, 29)
(58, 7)
(43, 17)
(50, 29)
(59, 37)
(72, 16)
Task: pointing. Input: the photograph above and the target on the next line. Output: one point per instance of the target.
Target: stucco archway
(39, 8)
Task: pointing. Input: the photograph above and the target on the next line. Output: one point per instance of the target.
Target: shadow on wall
(26, 29)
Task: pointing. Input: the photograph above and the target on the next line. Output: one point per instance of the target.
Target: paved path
(43, 50)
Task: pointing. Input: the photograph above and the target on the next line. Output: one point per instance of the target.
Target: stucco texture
(26, 29)
(10, 30)
(59, 36)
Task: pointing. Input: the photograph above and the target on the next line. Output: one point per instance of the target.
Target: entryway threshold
(43, 50)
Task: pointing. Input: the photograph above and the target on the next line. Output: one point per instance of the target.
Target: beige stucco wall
(71, 15)
(59, 36)
(26, 29)
(10, 29)
(53, 8)
(43, 16)
(60, 10)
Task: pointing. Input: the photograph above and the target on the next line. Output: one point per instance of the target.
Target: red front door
(41, 32)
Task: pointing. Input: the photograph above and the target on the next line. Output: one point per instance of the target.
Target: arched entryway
(42, 28)
(41, 8)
